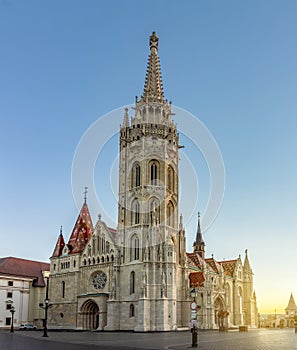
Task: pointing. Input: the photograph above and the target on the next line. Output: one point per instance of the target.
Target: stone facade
(139, 276)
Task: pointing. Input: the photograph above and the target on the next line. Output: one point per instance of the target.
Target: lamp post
(45, 306)
(12, 310)
(194, 329)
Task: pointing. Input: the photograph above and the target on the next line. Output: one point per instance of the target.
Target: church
(138, 277)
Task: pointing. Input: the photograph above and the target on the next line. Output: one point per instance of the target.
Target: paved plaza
(264, 339)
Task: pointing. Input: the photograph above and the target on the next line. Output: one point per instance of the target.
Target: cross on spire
(85, 194)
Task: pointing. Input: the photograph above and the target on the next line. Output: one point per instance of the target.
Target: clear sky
(233, 64)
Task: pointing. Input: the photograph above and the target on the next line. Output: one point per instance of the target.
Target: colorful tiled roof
(17, 267)
(228, 266)
(196, 279)
(81, 232)
(195, 260)
(213, 264)
(59, 246)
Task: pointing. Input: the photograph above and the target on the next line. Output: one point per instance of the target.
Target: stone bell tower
(151, 243)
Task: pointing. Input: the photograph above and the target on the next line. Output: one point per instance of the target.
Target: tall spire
(153, 87)
(199, 243)
(199, 234)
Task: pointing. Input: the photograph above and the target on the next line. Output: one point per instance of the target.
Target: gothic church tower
(151, 242)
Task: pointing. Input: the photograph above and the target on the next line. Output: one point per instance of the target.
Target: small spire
(181, 224)
(59, 245)
(61, 230)
(85, 195)
(246, 264)
(126, 118)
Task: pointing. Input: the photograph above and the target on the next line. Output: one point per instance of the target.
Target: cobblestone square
(264, 339)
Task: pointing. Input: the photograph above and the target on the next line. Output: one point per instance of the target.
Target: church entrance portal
(90, 315)
(218, 307)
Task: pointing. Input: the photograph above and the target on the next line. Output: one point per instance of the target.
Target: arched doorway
(90, 315)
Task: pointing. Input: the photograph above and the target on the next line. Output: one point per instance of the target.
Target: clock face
(99, 280)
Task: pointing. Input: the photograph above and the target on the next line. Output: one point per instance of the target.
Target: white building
(23, 287)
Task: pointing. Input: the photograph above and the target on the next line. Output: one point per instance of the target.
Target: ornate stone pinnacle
(154, 41)
(153, 87)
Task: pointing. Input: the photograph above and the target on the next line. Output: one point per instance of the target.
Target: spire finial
(61, 230)
(85, 195)
(154, 41)
(199, 229)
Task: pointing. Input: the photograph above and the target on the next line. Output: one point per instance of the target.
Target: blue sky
(64, 64)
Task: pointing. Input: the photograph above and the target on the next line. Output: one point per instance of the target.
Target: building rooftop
(18, 267)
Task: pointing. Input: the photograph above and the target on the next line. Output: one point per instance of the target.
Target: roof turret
(59, 245)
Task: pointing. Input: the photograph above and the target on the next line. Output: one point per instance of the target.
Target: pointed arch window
(170, 178)
(154, 173)
(134, 250)
(132, 282)
(170, 216)
(135, 212)
(136, 175)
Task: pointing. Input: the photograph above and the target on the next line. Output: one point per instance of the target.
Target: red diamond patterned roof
(81, 232)
(228, 266)
(195, 260)
(196, 279)
(59, 246)
(213, 264)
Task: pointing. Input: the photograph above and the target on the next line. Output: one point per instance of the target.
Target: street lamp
(45, 306)
(193, 294)
(12, 310)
